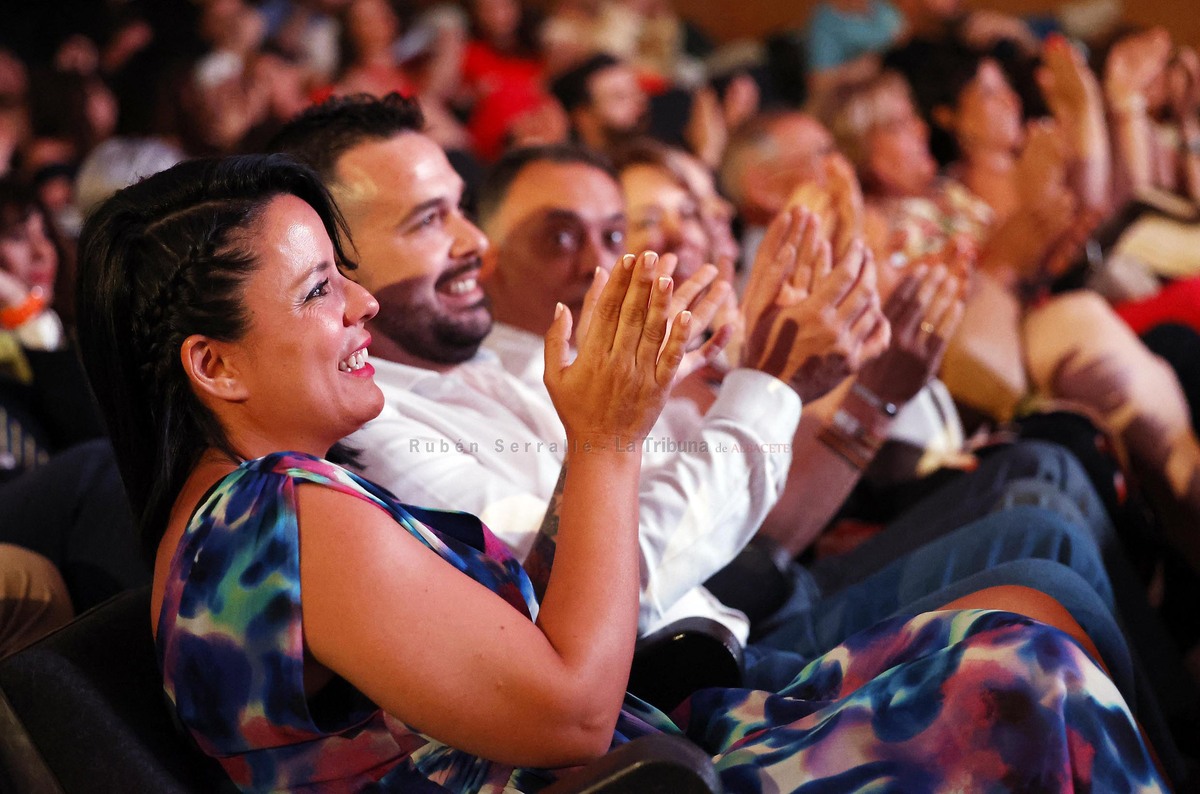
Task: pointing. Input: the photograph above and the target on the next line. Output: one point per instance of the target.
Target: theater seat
(83, 711)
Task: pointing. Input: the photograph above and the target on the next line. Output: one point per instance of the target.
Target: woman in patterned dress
(330, 638)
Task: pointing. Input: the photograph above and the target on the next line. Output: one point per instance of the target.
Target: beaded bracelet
(16, 316)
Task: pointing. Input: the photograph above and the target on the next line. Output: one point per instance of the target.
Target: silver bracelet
(872, 399)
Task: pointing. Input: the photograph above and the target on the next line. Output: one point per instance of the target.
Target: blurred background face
(497, 19)
(26, 250)
(557, 224)
(989, 111)
(665, 217)
(898, 159)
(795, 156)
(371, 25)
(616, 99)
(715, 212)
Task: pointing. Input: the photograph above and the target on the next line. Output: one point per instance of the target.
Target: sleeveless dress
(972, 700)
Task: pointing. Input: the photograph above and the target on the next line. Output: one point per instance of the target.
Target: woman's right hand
(614, 390)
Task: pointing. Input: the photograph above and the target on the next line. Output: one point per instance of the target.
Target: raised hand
(836, 199)
(1069, 86)
(1134, 63)
(811, 321)
(1042, 166)
(711, 302)
(1183, 83)
(614, 390)
(923, 311)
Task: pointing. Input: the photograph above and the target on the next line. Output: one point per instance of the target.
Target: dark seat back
(84, 711)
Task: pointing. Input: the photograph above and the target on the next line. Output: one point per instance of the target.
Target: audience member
(1070, 340)
(662, 212)
(44, 402)
(502, 73)
(604, 102)
(369, 65)
(765, 160)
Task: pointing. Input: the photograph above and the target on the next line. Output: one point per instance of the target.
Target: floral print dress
(974, 700)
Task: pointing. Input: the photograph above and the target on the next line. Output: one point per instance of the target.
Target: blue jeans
(1027, 546)
(1033, 473)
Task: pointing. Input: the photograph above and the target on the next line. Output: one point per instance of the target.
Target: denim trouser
(1022, 545)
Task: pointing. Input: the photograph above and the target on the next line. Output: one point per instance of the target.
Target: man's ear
(211, 370)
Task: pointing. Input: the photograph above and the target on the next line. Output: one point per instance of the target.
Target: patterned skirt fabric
(967, 701)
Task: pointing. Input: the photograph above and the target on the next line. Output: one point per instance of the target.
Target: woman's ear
(210, 369)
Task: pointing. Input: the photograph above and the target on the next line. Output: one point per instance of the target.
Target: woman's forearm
(589, 613)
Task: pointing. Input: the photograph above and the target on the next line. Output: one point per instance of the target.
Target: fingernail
(596, 275)
(558, 310)
(650, 260)
(628, 260)
(685, 318)
(664, 283)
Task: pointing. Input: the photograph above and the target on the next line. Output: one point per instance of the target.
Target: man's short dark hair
(323, 133)
(571, 87)
(504, 172)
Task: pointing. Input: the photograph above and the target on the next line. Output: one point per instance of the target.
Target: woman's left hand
(617, 384)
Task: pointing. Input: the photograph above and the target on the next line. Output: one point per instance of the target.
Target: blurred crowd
(1027, 189)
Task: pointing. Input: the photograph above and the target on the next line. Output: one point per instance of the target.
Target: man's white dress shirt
(481, 440)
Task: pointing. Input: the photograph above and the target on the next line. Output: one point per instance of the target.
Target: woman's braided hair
(158, 262)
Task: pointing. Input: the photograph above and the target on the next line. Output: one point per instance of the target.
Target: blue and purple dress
(972, 700)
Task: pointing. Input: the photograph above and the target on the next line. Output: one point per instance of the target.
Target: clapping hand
(811, 320)
(837, 200)
(709, 300)
(1183, 83)
(615, 388)
(1134, 63)
(923, 311)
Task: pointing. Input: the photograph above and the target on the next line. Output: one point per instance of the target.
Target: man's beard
(424, 331)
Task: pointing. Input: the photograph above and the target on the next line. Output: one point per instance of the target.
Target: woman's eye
(614, 238)
(318, 291)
